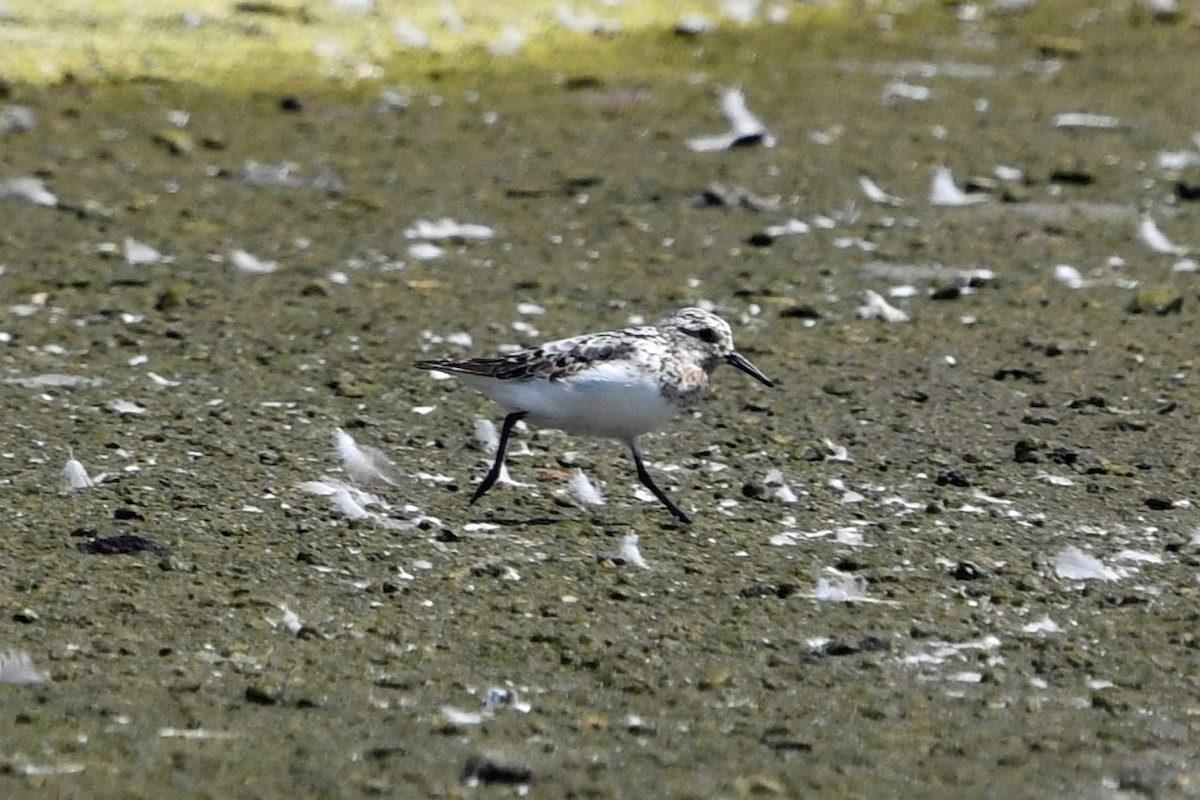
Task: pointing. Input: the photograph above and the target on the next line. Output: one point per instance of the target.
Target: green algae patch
(242, 47)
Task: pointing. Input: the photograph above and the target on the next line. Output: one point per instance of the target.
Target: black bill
(741, 362)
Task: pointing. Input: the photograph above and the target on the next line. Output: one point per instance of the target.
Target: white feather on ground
(584, 490)
(16, 667)
(250, 263)
(1150, 235)
(627, 553)
(288, 620)
(783, 493)
(1075, 565)
(878, 308)
(1042, 625)
(1069, 276)
(875, 193)
(425, 251)
(793, 227)
(944, 192)
(29, 189)
(631, 553)
(350, 504)
(350, 500)
(841, 587)
(486, 435)
(448, 229)
(365, 465)
(139, 254)
(1083, 120)
(744, 127)
(488, 439)
(76, 475)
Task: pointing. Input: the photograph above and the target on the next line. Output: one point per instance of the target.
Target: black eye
(708, 335)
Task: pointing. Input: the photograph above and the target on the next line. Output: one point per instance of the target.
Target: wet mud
(1003, 485)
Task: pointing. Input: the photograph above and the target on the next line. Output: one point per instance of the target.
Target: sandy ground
(1000, 490)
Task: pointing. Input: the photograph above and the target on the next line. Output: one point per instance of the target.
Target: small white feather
(126, 407)
(1069, 276)
(1075, 565)
(583, 490)
(631, 553)
(139, 254)
(486, 435)
(350, 500)
(877, 307)
(29, 189)
(160, 380)
(365, 465)
(793, 227)
(841, 587)
(1151, 236)
(899, 90)
(1084, 120)
(744, 127)
(425, 251)
(783, 493)
(16, 667)
(1178, 159)
(944, 192)
(875, 193)
(326, 488)
(447, 229)
(456, 716)
(348, 503)
(252, 264)
(1042, 625)
(504, 479)
(76, 475)
(289, 620)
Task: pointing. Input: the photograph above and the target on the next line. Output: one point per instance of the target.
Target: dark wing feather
(552, 361)
(502, 368)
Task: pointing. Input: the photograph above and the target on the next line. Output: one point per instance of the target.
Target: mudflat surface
(959, 473)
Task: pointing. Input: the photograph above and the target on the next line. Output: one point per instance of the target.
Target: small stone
(491, 769)
(967, 571)
(175, 141)
(261, 696)
(754, 490)
(123, 544)
(715, 677)
(172, 298)
(946, 293)
(953, 478)
(1160, 300)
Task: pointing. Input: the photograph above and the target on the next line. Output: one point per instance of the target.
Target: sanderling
(614, 385)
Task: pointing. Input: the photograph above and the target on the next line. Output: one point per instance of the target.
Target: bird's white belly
(615, 401)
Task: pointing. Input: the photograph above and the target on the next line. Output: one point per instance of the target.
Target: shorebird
(614, 385)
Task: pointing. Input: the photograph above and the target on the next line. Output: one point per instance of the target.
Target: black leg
(498, 464)
(648, 482)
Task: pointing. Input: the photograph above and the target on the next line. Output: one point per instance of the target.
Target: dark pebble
(967, 571)
(484, 769)
(124, 544)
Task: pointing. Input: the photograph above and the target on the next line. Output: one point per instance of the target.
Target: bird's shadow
(517, 522)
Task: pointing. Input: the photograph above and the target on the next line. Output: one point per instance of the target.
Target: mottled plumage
(615, 384)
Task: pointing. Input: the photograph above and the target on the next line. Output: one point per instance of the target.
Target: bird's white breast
(613, 399)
